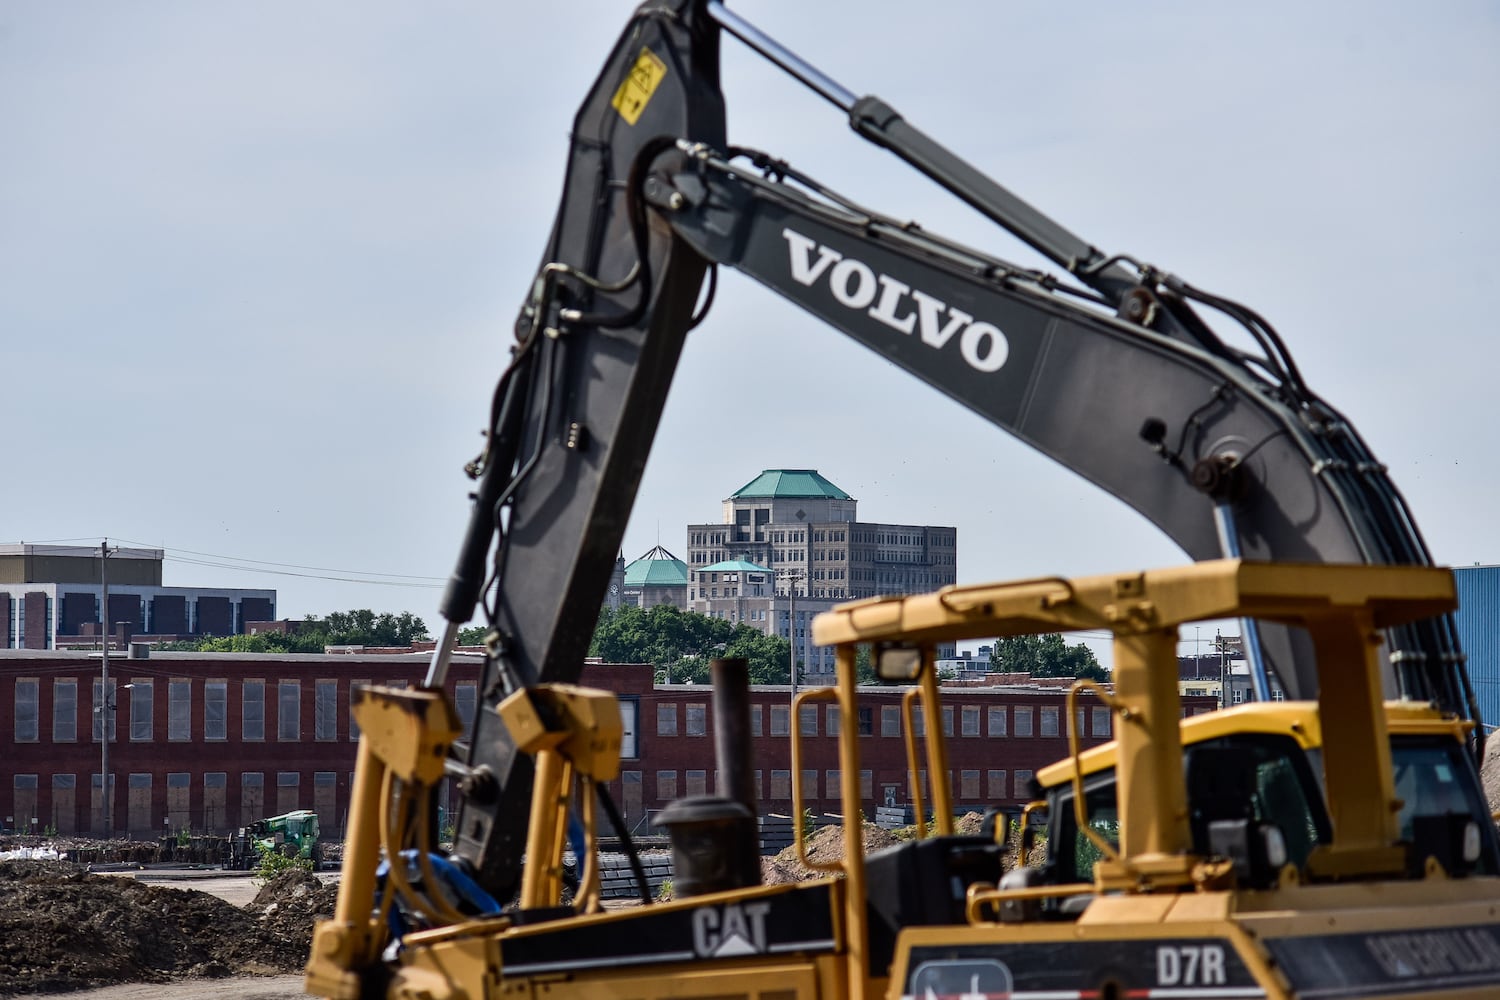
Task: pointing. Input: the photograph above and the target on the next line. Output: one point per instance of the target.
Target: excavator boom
(1112, 371)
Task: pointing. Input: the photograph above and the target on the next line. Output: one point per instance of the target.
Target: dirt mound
(64, 929)
(290, 903)
(825, 846)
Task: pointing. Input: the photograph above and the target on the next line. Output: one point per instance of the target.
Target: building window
(1101, 720)
(890, 720)
(867, 784)
(1049, 721)
(354, 726)
(831, 781)
(666, 720)
(810, 783)
(807, 720)
(918, 721)
(630, 711)
(968, 785)
(970, 720)
(948, 720)
(1023, 720)
(996, 720)
(781, 785)
(779, 720)
(179, 794)
(252, 797)
(288, 791)
(253, 711)
(289, 711)
(831, 723)
(466, 698)
(697, 782)
(666, 785)
(1023, 786)
(215, 710)
(179, 711)
(755, 720)
(140, 711)
(997, 789)
(867, 721)
(325, 710)
(696, 726)
(65, 711)
(28, 721)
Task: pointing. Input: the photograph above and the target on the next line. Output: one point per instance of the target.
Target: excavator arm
(1112, 372)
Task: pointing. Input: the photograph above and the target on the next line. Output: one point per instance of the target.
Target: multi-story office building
(790, 545)
(48, 592)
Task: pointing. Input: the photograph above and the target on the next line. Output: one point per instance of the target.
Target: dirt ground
(64, 929)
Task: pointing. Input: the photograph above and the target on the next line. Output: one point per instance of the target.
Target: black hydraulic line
(618, 822)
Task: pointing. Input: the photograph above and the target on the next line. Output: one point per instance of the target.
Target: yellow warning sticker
(636, 89)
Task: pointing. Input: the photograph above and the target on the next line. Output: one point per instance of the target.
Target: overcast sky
(259, 263)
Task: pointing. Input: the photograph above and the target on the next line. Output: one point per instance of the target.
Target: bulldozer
(1204, 869)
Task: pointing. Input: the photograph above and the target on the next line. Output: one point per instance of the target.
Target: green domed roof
(790, 483)
(657, 568)
(735, 566)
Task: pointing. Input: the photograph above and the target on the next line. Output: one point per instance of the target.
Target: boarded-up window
(24, 792)
(831, 720)
(215, 802)
(697, 782)
(138, 814)
(65, 711)
(179, 710)
(288, 791)
(947, 720)
(28, 724)
(696, 714)
(1023, 785)
(810, 783)
(969, 720)
(65, 803)
(253, 711)
(215, 710)
(781, 785)
(968, 784)
(289, 712)
(997, 786)
(326, 710)
(252, 797)
(755, 722)
(666, 785)
(179, 800)
(326, 801)
(866, 785)
(666, 719)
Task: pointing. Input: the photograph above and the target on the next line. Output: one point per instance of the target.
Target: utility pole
(792, 576)
(106, 798)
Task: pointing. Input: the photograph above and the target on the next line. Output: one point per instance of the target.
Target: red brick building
(209, 742)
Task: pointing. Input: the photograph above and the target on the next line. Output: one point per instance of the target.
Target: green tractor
(293, 835)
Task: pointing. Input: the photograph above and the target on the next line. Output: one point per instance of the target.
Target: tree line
(679, 644)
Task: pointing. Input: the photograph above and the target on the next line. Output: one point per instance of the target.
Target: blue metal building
(1478, 620)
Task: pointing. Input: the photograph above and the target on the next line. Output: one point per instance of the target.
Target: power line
(245, 565)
